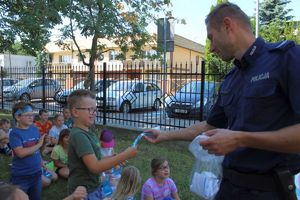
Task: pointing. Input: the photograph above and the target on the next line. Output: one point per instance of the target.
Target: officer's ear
(228, 24)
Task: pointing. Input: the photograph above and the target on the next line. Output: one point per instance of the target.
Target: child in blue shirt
(25, 140)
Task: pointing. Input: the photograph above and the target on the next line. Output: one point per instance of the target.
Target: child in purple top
(159, 186)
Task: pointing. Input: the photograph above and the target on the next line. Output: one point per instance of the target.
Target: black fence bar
(2, 85)
(202, 89)
(104, 93)
(44, 86)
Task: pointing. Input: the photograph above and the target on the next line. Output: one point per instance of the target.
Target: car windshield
(121, 86)
(24, 82)
(195, 87)
(80, 85)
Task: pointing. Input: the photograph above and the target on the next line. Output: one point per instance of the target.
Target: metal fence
(139, 95)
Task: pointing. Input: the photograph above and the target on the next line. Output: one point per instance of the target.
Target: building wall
(184, 58)
(17, 66)
(10, 60)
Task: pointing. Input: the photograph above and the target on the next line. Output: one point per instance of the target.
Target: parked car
(61, 97)
(31, 88)
(7, 82)
(127, 95)
(185, 103)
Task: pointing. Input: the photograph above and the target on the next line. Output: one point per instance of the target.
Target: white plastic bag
(207, 170)
(297, 184)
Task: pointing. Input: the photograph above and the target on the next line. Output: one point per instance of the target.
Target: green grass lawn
(180, 160)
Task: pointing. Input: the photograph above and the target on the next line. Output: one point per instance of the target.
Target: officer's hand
(156, 136)
(220, 141)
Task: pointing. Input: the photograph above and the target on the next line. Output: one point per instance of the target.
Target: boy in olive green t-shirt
(85, 162)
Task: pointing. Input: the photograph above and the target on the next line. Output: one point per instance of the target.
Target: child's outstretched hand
(131, 152)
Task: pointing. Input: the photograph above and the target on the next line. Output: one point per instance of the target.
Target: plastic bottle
(46, 173)
(115, 177)
(106, 187)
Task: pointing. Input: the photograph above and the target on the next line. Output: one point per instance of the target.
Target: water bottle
(106, 188)
(46, 173)
(115, 177)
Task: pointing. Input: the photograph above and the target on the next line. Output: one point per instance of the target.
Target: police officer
(255, 122)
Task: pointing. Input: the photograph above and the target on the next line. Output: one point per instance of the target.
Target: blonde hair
(129, 183)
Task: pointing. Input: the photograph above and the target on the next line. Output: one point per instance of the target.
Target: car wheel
(156, 104)
(126, 107)
(25, 97)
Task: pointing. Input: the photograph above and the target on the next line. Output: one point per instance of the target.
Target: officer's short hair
(216, 16)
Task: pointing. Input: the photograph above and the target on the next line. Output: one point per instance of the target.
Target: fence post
(104, 93)
(43, 83)
(2, 82)
(202, 89)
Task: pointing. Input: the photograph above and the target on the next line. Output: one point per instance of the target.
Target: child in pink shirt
(159, 186)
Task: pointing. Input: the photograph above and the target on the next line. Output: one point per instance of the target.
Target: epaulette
(281, 46)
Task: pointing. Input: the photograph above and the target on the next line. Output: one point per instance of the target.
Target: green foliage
(18, 49)
(41, 61)
(277, 31)
(120, 21)
(273, 10)
(276, 23)
(28, 21)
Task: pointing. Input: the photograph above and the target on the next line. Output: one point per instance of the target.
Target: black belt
(264, 182)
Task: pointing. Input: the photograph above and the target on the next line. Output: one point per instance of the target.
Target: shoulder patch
(281, 46)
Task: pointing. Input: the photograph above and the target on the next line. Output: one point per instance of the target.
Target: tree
(123, 22)
(273, 10)
(276, 22)
(214, 65)
(273, 33)
(30, 22)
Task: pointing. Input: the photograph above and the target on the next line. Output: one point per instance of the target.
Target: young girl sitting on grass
(59, 154)
(159, 186)
(128, 185)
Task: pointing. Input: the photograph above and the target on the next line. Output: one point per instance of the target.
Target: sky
(195, 11)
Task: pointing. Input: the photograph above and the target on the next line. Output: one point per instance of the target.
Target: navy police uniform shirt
(261, 93)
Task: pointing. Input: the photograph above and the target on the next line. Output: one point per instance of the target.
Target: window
(65, 59)
(151, 87)
(139, 87)
(113, 55)
(149, 53)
